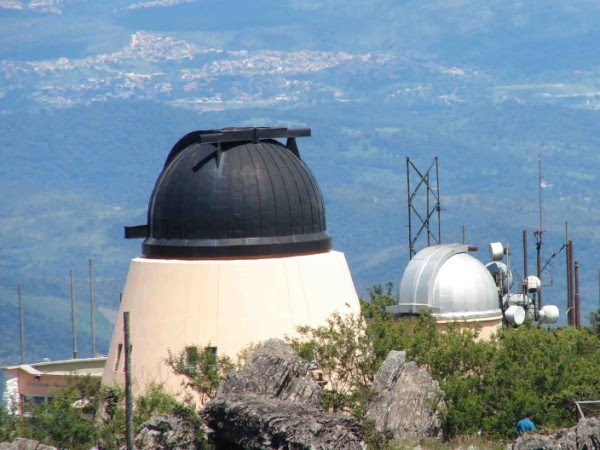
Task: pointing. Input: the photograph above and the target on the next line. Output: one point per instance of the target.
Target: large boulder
(406, 400)
(271, 404)
(583, 436)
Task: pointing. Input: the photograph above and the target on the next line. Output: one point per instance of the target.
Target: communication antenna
(539, 234)
(429, 183)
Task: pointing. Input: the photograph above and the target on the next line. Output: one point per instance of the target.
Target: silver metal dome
(451, 283)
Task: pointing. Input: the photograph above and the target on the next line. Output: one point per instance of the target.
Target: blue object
(524, 425)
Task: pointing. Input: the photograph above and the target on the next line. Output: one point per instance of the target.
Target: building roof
(449, 282)
(235, 192)
(84, 366)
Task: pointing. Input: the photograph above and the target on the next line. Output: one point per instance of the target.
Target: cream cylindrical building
(235, 252)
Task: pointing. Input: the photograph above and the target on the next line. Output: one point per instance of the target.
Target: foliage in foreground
(83, 415)
(488, 385)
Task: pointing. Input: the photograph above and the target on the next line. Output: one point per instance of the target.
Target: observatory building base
(225, 304)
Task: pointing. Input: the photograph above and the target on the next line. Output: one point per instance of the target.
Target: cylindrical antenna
(21, 323)
(73, 323)
(92, 307)
(524, 254)
(464, 232)
(576, 297)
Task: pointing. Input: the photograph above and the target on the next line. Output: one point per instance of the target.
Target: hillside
(93, 96)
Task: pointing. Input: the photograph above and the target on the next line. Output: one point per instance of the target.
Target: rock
(537, 442)
(583, 436)
(406, 399)
(255, 422)
(274, 370)
(588, 433)
(270, 404)
(165, 432)
(25, 444)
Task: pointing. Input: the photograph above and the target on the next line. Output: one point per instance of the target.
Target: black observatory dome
(234, 192)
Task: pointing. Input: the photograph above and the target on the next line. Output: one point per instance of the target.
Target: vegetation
(487, 384)
(83, 415)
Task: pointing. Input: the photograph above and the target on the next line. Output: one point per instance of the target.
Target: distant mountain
(93, 96)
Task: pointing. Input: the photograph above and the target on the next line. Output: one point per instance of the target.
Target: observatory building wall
(226, 304)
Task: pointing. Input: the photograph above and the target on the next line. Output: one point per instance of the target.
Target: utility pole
(128, 395)
(21, 323)
(92, 307)
(73, 323)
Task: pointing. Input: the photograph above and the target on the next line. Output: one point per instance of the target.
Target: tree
(344, 354)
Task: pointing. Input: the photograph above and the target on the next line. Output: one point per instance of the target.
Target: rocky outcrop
(406, 399)
(270, 404)
(25, 444)
(166, 432)
(583, 436)
(274, 370)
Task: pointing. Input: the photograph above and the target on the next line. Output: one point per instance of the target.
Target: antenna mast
(539, 234)
(432, 204)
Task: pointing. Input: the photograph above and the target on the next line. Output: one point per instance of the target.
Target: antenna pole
(92, 307)
(464, 233)
(438, 207)
(427, 206)
(524, 253)
(577, 311)
(411, 250)
(571, 283)
(21, 323)
(73, 323)
(540, 239)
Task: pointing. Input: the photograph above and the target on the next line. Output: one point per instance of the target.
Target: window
(118, 359)
(196, 356)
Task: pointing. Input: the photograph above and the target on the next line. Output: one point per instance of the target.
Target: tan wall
(486, 327)
(227, 303)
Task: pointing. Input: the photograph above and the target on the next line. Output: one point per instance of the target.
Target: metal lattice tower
(423, 204)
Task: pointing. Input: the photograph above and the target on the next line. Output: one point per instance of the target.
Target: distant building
(37, 383)
(235, 251)
(453, 285)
